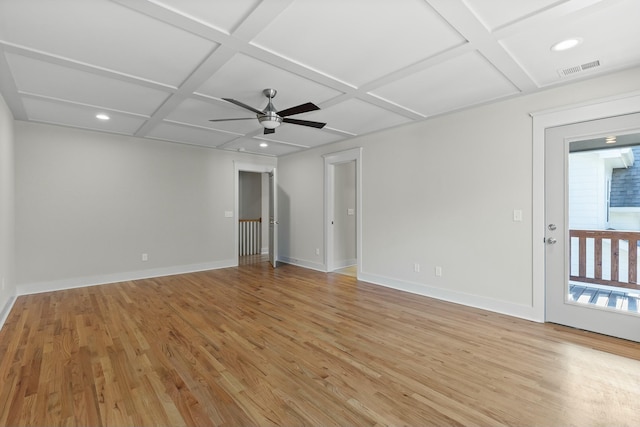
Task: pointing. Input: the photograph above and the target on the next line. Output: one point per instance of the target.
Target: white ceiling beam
(9, 90)
(480, 38)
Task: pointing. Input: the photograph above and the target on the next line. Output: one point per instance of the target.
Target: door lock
(552, 227)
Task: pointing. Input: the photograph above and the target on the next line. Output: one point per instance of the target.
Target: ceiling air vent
(578, 68)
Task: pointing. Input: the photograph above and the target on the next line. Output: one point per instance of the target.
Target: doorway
(590, 268)
(345, 257)
(253, 216)
(268, 236)
(343, 219)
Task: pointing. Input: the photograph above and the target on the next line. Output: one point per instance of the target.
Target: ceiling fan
(270, 118)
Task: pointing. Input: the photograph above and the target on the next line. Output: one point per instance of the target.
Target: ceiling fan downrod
(270, 118)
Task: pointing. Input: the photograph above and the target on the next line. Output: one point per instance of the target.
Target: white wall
(7, 277)
(301, 209)
(250, 188)
(625, 219)
(442, 193)
(588, 177)
(89, 204)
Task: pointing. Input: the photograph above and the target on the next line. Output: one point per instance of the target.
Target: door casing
(250, 167)
(330, 160)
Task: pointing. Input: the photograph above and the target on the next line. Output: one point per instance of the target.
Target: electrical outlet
(438, 271)
(145, 257)
(317, 251)
(416, 267)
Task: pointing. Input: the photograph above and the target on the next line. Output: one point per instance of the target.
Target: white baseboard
(4, 313)
(344, 263)
(302, 263)
(79, 282)
(484, 303)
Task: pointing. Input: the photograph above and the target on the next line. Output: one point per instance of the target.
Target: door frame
(598, 109)
(250, 167)
(330, 161)
(273, 218)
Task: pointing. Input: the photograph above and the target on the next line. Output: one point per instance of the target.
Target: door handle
(552, 241)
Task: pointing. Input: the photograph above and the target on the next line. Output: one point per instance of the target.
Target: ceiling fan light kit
(270, 118)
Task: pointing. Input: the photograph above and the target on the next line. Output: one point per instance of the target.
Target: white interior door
(273, 219)
(560, 307)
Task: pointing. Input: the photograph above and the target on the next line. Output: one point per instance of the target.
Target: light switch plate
(228, 214)
(517, 215)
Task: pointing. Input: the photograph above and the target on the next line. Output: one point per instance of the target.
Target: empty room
(319, 212)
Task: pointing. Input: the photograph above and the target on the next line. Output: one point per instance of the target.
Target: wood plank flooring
(253, 346)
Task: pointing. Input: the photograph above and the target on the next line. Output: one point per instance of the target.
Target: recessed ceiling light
(566, 44)
(264, 144)
(102, 116)
(610, 140)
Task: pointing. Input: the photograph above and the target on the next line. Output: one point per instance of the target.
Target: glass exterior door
(591, 244)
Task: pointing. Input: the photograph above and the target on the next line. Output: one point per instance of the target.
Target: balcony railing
(605, 257)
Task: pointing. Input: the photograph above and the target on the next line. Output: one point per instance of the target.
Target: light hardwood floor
(254, 346)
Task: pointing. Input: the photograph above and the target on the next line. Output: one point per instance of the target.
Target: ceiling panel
(190, 135)
(244, 78)
(610, 34)
(357, 117)
(460, 82)
(497, 13)
(40, 110)
(198, 113)
(106, 35)
(358, 41)
(225, 16)
(55, 81)
(252, 145)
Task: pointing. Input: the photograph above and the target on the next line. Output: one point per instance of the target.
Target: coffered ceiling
(160, 68)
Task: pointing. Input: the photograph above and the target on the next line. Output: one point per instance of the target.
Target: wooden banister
(615, 237)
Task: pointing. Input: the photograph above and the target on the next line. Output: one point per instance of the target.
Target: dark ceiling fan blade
(240, 104)
(304, 123)
(302, 108)
(238, 118)
(267, 131)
